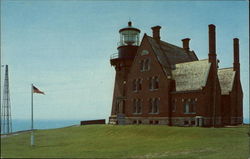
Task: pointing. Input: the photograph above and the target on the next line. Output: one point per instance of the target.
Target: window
(189, 106)
(192, 106)
(134, 87)
(153, 83)
(151, 105)
(186, 107)
(137, 106)
(192, 122)
(144, 65)
(137, 85)
(134, 106)
(144, 52)
(156, 82)
(186, 122)
(174, 105)
(154, 105)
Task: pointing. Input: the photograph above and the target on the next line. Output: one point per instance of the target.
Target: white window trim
(136, 106)
(143, 64)
(188, 102)
(153, 80)
(152, 105)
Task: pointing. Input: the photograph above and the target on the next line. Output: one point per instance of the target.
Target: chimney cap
(186, 39)
(236, 39)
(156, 27)
(211, 26)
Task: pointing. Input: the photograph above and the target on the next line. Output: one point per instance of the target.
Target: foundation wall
(176, 121)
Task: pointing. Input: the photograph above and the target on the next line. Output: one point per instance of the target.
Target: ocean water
(20, 125)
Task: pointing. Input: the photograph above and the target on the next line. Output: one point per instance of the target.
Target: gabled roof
(168, 55)
(191, 75)
(226, 77)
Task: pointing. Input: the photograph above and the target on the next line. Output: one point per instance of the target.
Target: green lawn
(131, 141)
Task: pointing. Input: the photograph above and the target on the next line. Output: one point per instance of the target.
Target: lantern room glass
(129, 37)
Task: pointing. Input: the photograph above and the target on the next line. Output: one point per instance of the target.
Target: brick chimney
(156, 32)
(212, 46)
(213, 60)
(185, 44)
(236, 55)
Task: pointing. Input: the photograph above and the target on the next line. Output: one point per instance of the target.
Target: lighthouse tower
(122, 61)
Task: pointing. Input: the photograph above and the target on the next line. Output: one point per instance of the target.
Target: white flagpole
(32, 127)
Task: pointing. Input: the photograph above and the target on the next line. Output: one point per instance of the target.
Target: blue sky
(63, 47)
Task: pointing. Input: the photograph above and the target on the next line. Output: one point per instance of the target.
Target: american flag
(36, 90)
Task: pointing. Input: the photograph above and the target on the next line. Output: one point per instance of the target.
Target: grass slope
(131, 141)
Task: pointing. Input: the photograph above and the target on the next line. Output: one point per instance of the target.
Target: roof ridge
(168, 43)
(225, 68)
(192, 61)
(202, 60)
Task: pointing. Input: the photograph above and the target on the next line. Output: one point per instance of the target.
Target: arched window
(141, 65)
(151, 83)
(189, 106)
(134, 106)
(137, 106)
(156, 81)
(174, 105)
(154, 105)
(134, 85)
(139, 83)
(151, 103)
(146, 64)
(192, 108)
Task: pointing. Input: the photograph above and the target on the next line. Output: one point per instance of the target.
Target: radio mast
(6, 121)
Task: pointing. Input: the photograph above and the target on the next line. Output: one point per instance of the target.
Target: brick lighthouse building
(159, 83)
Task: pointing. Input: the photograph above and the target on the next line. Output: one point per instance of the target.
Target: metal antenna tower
(6, 122)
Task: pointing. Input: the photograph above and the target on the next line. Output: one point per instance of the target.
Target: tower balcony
(114, 59)
(125, 53)
(114, 56)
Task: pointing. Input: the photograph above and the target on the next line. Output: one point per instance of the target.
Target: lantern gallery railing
(114, 56)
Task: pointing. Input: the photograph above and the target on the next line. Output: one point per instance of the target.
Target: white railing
(114, 56)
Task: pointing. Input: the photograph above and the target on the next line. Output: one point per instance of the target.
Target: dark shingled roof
(168, 55)
(226, 77)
